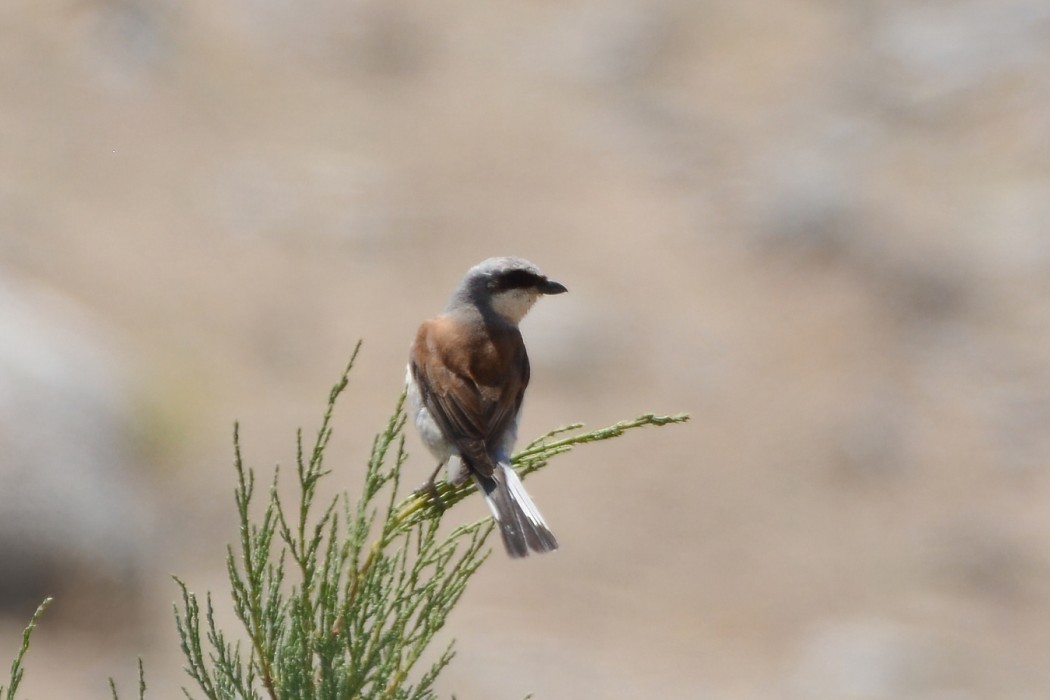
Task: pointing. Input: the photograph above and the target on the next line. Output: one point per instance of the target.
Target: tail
(520, 523)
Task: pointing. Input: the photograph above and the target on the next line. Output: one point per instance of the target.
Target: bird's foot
(429, 489)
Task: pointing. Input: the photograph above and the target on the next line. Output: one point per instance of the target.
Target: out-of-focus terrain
(823, 229)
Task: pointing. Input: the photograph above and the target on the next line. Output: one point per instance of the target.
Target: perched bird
(467, 374)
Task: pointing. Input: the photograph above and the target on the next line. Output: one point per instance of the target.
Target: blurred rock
(918, 288)
(811, 204)
(126, 42)
(615, 44)
(976, 555)
(72, 522)
(872, 660)
(381, 38)
(932, 54)
(873, 436)
(810, 196)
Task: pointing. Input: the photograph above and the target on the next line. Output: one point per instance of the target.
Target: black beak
(551, 287)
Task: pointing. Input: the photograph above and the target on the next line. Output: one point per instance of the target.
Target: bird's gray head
(507, 286)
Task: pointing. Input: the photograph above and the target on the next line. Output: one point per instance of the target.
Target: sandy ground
(820, 230)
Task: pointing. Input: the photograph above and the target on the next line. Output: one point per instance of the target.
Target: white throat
(513, 304)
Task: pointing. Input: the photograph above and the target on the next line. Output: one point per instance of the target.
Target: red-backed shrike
(467, 374)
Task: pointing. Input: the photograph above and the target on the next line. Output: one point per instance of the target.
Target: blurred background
(823, 229)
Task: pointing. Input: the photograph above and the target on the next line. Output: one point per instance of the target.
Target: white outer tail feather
(519, 494)
(527, 530)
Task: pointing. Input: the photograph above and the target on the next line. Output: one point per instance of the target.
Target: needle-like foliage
(339, 598)
(17, 670)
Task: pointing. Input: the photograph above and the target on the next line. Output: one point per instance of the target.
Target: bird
(466, 378)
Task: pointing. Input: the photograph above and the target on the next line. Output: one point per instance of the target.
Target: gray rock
(930, 55)
(71, 519)
(872, 659)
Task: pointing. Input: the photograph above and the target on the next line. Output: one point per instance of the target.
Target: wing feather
(472, 383)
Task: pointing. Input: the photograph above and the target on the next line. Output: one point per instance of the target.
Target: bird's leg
(430, 488)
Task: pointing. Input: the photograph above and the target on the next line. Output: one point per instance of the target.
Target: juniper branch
(142, 684)
(536, 455)
(371, 580)
(17, 671)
